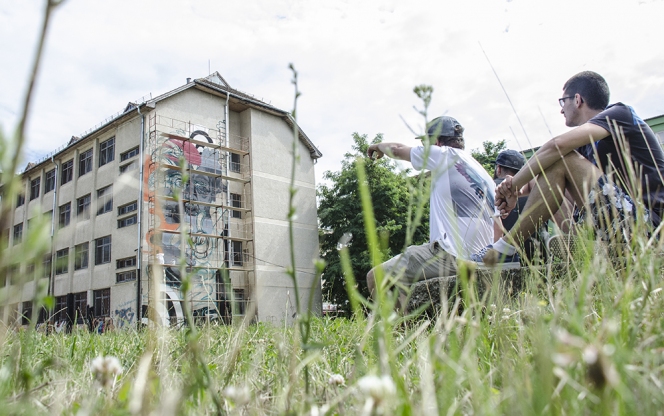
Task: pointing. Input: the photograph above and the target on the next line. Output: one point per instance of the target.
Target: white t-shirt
(461, 201)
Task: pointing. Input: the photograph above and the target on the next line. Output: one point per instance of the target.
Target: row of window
(102, 255)
(105, 204)
(106, 155)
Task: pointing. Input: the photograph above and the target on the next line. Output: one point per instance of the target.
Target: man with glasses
(597, 164)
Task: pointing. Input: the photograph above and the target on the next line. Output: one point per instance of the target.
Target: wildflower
(316, 411)
(336, 380)
(106, 369)
(377, 388)
(239, 396)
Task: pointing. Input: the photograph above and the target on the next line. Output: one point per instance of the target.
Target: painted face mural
(201, 191)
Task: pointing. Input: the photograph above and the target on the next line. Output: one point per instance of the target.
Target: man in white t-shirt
(461, 203)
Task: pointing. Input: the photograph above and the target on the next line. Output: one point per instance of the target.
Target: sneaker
(503, 261)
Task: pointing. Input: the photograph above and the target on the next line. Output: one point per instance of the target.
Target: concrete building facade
(191, 185)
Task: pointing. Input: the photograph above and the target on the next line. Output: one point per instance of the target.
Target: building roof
(213, 83)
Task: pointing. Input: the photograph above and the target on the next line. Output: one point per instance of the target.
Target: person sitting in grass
(461, 204)
(611, 165)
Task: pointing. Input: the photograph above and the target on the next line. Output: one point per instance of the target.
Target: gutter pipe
(139, 220)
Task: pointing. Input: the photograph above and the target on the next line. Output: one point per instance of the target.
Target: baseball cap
(511, 159)
(443, 126)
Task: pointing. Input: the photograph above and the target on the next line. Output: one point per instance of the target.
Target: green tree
(487, 156)
(340, 212)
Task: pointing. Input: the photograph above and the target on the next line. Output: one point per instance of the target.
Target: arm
(394, 150)
(556, 148)
(550, 153)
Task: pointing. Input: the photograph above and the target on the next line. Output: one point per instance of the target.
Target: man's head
(509, 162)
(585, 93)
(447, 132)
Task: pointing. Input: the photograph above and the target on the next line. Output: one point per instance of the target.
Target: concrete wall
(271, 144)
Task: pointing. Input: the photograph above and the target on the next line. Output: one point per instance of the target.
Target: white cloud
(358, 61)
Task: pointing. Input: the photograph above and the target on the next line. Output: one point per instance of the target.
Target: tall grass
(588, 340)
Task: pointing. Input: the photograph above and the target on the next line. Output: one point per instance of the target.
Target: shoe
(502, 261)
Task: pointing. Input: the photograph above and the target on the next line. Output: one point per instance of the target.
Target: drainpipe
(228, 191)
(139, 218)
(55, 201)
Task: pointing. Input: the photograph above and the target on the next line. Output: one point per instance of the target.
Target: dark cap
(443, 126)
(511, 159)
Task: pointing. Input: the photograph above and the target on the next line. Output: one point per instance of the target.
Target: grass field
(590, 342)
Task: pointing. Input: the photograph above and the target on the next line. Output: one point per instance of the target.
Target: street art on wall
(177, 169)
(124, 314)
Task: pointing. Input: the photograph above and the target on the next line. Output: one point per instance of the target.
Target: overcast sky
(358, 62)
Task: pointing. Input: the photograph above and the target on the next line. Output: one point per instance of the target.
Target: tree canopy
(488, 154)
(340, 212)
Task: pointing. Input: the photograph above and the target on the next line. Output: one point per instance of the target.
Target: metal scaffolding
(198, 208)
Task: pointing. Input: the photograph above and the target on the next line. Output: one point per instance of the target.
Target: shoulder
(617, 111)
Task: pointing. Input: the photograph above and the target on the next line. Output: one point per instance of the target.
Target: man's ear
(578, 99)
(498, 171)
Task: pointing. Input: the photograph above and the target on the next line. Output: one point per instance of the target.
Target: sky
(498, 67)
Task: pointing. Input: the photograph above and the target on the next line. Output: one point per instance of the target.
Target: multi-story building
(193, 184)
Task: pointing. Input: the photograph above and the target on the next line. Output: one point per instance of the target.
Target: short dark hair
(452, 141)
(591, 86)
(508, 171)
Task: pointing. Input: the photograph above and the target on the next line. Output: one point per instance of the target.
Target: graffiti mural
(124, 315)
(202, 193)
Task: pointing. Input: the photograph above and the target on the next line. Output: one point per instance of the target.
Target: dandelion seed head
(105, 369)
(378, 388)
(590, 355)
(336, 380)
(238, 395)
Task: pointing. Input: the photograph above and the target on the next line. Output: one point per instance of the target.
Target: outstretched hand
(373, 152)
(506, 196)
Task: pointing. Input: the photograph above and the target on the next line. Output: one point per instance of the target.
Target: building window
(80, 305)
(129, 154)
(103, 250)
(49, 182)
(26, 313)
(34, 188)
(18, 233)
(126, 222)
(67, 172)
(84, 162)
(235, 163)
(62, 261)
(240, 301)
(105, 200)
(12, 274)
(30, 269)
(236, 250)
(20, 200)
(102, 302)
(83, 206)
(81, 255)
(236, 202)
(127, 276)
(65, 215)
(127, 208)
(126, 262)
(107, 151)
(60, 312)
(46, 265)
(128, 167)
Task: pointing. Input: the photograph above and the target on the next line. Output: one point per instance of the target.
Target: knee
(371, 281)
(370, 278)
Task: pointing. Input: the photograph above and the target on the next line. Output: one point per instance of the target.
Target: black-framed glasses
(561, 101)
